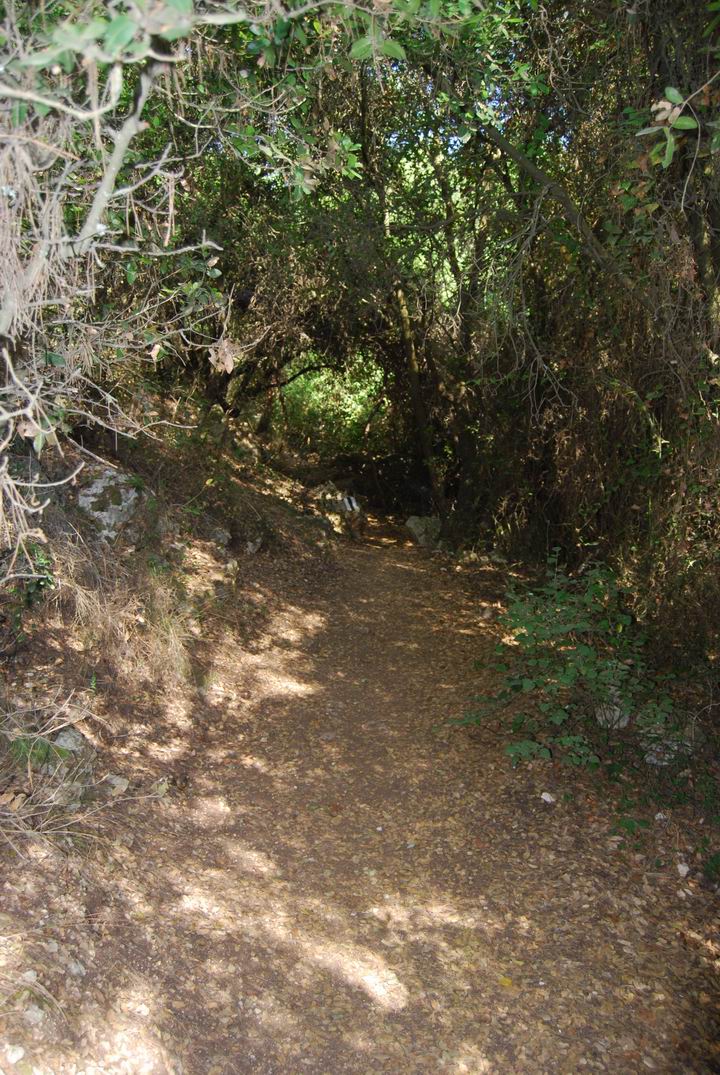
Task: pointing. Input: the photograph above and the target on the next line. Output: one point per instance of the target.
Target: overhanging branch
(571, 212)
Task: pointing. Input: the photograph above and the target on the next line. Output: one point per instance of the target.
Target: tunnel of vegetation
(466, 252)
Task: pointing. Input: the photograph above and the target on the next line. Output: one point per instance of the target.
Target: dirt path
(340, 885)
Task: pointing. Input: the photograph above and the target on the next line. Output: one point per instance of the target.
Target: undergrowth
(578, 686)
(45, 788)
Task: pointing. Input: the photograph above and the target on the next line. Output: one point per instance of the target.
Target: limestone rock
(610, 715)
(663, 752)
(117, 785)
(73, 740)
(75, 766)
(425, 530)
(221, 536)
(110, 499)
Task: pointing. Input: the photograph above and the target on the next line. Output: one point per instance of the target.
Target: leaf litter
(333, 881)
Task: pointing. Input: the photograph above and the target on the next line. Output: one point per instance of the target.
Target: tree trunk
(423, 431)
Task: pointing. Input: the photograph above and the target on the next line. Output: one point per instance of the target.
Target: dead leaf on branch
(223, 355)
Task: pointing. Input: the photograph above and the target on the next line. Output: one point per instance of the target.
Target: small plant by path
(577, 685)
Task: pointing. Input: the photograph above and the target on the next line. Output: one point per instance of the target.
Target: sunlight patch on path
(356, 966)
(361, 969)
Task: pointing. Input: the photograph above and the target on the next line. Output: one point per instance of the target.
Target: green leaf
(40, 59)
(685, 123)
(393, 49)
(70, 37)
(648, 130)
(173, 33)
(669, 148)
(18, 113)
(631, 824)
(711, 867)
(184, 7)
(131, 273)
(362, 48)
(119, 33)
(673, 95)
(54, 359)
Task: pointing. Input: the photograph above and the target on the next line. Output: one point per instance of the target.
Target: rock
(73, 740)
(111, 499)
(610, 715)
(118, 784)
(67, 794)
(33, 1015)
(665, 751)
(683, 869)
(327, 491)
(497, 558)
(221, 536)
(253, 546)
(425, 529)
(14, 1054)
(73, 768)
(547, 797)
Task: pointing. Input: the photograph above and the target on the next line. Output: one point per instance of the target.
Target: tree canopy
(482, 239)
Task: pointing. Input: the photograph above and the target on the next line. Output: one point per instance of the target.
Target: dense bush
(578, 683)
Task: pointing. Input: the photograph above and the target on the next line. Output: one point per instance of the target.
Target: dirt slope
(338, 884)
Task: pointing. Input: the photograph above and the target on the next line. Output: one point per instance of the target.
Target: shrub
(576, 662)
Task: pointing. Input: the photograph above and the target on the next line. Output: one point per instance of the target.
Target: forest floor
(338, 881)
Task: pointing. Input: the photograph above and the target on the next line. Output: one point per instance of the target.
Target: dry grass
(43, 788)
(138, 621)
(132, 616)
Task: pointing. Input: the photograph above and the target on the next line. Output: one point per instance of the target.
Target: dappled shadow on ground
(344, 885)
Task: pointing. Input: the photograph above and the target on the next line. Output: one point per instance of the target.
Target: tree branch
(300, 373)
(131, 126)
(571, 212)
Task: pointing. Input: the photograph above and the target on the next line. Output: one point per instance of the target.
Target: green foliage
(575, 634)
(330, 153)
(711, 867)
(631, 826)
(575, 659)
(36, 751)
(329, 411)
(40, 577)
(527, 750)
